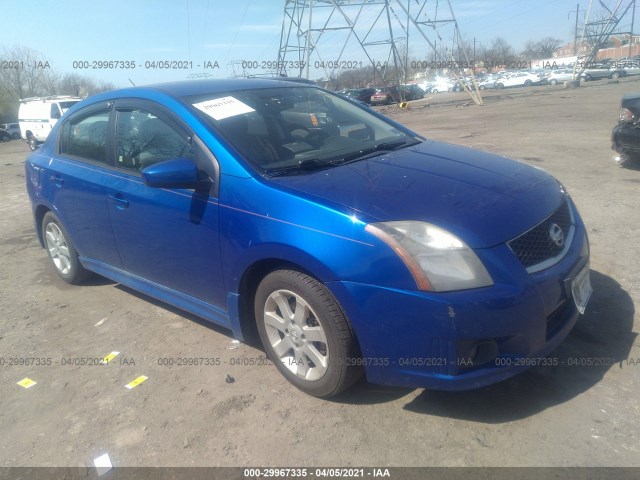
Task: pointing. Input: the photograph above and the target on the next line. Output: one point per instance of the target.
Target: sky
(215, 37)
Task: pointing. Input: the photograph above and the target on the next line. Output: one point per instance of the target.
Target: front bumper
(427, 340)
(625, 139)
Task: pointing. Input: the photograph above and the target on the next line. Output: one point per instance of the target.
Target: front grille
(536, 248)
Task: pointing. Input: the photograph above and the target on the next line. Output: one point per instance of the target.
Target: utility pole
(575, 34)
(633, 16)
(474, 54)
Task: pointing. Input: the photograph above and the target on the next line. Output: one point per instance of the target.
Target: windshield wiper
(381, 147)
(303, 166)
(317, 164)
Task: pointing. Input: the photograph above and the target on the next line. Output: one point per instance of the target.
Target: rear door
(75, 182)
(167, 236)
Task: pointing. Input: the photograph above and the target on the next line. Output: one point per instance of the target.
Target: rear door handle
(119, 201)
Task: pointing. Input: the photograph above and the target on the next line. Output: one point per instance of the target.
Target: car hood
(482, 198)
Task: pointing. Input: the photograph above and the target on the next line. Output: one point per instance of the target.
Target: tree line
(27, 73)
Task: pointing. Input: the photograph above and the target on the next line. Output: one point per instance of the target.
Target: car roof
(203, 87)
(187, 88)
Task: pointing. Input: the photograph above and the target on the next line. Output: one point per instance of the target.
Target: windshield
(297, 129)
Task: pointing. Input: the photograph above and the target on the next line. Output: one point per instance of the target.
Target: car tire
(615, 75)
(588, 78)
(291, 308)
(553, 81)
(500, 85)
(434, 90)
(528, 83)
(61, 251)
(33, 143)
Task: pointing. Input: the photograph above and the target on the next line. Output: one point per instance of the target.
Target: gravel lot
(236, 414)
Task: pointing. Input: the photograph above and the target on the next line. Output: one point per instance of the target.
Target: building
(616, 47)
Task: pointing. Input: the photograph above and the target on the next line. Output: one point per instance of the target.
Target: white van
(38, 115)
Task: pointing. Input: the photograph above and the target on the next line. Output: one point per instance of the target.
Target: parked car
(487, 82)
(625, 137)
(441, 85)
(560, 76)
(519, 79)
(631, 67)
(12, 128)
(4, 136)
(412, 92)
(38, 115)
(349, 243)
(386, 96)
(599, 72)
(361, 94)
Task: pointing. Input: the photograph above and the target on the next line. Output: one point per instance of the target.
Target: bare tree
(499, 53)
(26, 79)
(545, 48)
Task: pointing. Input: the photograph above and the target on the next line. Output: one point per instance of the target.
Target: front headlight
(438, 260)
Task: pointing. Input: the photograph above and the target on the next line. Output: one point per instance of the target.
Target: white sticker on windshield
(224, 107)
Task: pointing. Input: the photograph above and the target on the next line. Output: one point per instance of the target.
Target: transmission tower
(597, 32)
(332, 35)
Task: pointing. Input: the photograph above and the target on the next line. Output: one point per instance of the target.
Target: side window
(144, 139)
(86, 137)
(55, 111)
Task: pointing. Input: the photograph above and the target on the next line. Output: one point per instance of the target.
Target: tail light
(626, 116)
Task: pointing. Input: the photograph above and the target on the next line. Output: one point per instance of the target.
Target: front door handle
(119, 201)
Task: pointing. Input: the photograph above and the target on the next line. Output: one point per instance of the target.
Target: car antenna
(132, 82)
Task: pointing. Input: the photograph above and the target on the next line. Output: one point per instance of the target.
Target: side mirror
(179, 173)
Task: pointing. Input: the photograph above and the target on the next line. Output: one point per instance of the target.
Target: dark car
(5, 136)
(625, 138)
(361, 94)
(12, 128)
(412, 92)
(345, 242)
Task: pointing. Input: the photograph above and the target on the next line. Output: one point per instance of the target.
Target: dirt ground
(237, 414)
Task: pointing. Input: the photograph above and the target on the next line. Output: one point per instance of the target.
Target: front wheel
(306, 334)
(61, 252)
(615, 75)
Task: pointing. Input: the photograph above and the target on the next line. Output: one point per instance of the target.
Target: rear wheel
(553, 81)
(528, 83)
(305, 333)
(615, 75)
(61, 252)
(33, 143)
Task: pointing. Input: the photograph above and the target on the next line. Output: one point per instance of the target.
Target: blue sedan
(347, 243)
